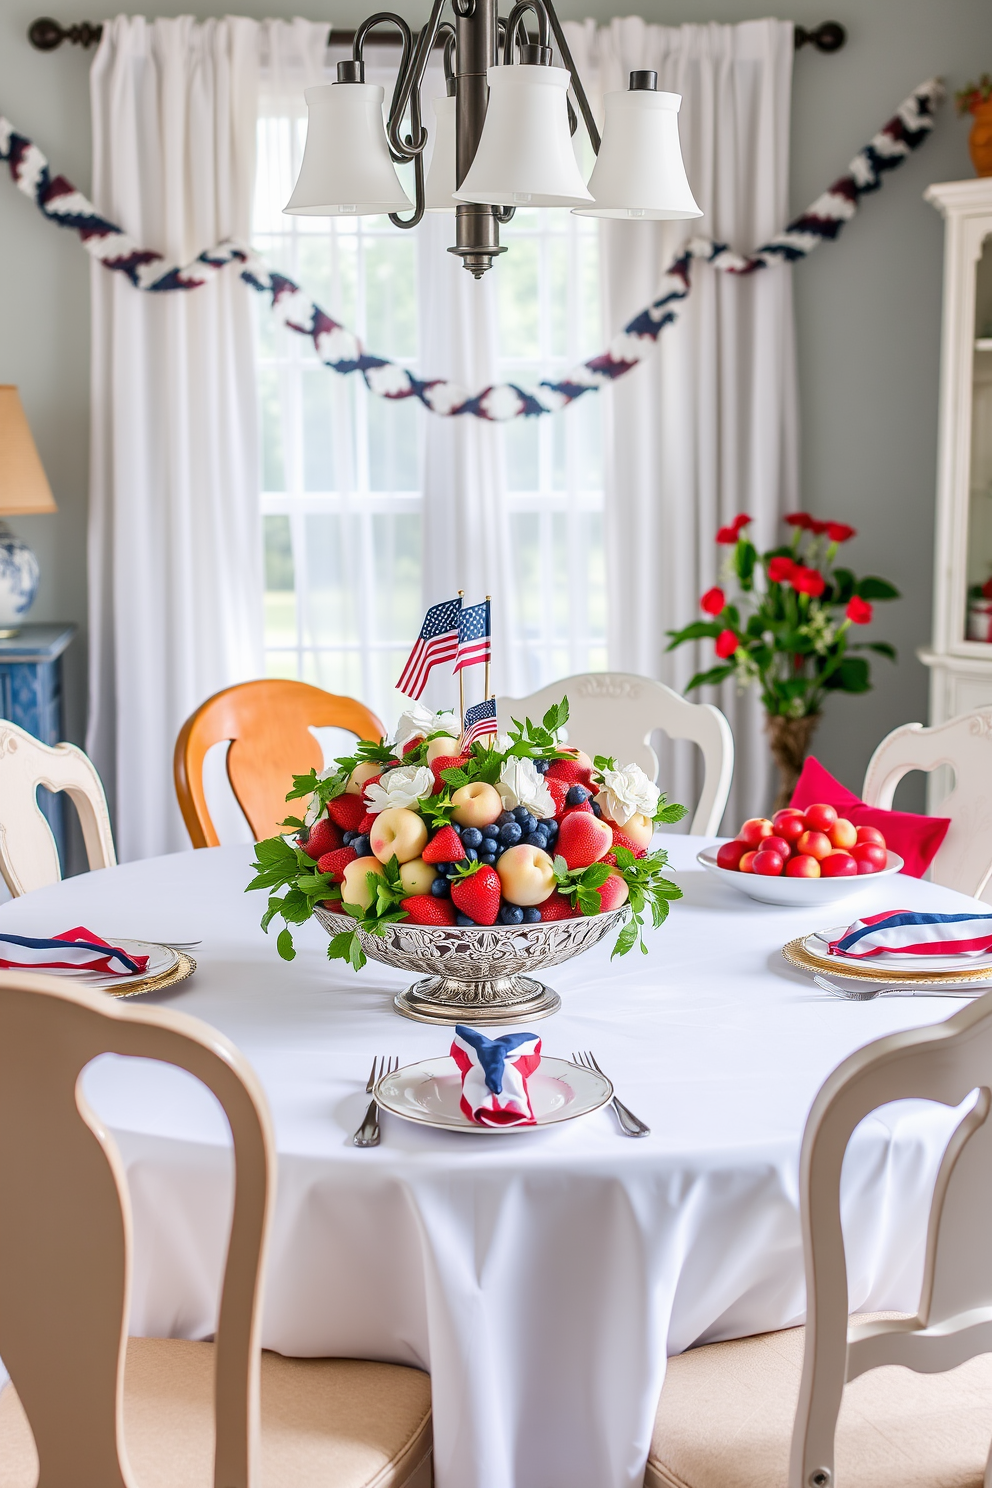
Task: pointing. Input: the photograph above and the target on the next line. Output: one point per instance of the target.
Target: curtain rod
(45, 35)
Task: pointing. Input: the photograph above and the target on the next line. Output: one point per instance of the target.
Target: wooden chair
(101, 1410)
(615, 713)
(268, 724)
(964, 861)
(728, 1410)
(29, 858)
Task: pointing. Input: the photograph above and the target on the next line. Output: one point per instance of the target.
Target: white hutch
(960, 658)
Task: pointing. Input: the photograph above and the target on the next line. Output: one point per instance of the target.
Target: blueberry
(536, 839)
(347, 837)
(542, 766)
(362, 846)
(510, 834)
(463, 919)
(499, 850)
(532, 915)
(530, 823)
(511, 914)
(576, 795)
(455, 827)
(551, 827)
(520, 813)
(491, 831)
(440, 888)
(488, 858)
(472, 853)
(471, 837)
(504, 819)
(597, 810)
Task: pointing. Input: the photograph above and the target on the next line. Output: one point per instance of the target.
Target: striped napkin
(73, 950)
(494, 1075)
(907, 932)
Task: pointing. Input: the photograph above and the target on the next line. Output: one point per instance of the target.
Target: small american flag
(479, 721)
(474, 636)
(437, 641)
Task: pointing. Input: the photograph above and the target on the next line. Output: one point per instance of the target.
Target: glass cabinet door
(979, 575)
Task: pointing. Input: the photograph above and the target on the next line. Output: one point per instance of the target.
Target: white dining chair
(728, 1410)
(29, 858)
(92, 1408)
(615, 713)
(964, 860)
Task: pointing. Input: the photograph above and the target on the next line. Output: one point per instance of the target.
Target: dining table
(541, 1276)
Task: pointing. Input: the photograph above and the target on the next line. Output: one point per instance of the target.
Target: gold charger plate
(184, 967)
(796, 953)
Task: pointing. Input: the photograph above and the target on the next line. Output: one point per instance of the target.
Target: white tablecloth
(538, 1276)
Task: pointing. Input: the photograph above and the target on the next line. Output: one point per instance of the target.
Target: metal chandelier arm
(408, 84)
(399, 150)
(585, 108)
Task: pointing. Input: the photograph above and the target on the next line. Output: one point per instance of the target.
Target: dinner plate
(161, 959)
(796, 892)
(816, 945)
(430, 1092)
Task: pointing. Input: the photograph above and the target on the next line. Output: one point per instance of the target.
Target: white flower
(314, 810)
(400, 787)
(417, 722)
(521, 785)
(503, 743)
(629, 792)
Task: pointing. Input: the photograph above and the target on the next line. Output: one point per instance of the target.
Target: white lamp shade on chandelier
(441, 180)
(525, 156)
(639, 171)
(347, 170)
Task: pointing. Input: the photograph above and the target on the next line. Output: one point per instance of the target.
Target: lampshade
(525, 156)
(347, 170)
(442, 177)
(639, 170)
(23, 484)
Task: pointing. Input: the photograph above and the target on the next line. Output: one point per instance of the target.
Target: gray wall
(868, 308)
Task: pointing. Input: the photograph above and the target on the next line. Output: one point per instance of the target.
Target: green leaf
(596, 876)
(272, 850)
(284, 945)
(294, 822)
(711, 678)
(875, 588)
(296, 908)
(556, 716)
(745, 557)
(671, 813)
(625, 940)
(699, 630)
(881, 647)
(851, 676)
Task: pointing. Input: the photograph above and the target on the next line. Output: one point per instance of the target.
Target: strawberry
(446, 762)
(583, 839)
(324, 838)
(424, 909)
(620, 839)
(477, 894)
(585, 806)
(444, 847)
(558, 790)
(366, 824)
(336, 862)
(557, 907)
(412, 744)
(570, 771)
(347, 811)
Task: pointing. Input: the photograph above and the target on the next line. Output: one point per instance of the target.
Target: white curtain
(708, 426)
(174, 543)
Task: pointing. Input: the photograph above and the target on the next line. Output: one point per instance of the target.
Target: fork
(367, 1134)
(630, 1125)
(866, 994)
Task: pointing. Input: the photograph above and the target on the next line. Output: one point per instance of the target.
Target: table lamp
(24, 488)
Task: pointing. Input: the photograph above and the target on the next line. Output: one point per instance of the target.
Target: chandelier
(502, 134)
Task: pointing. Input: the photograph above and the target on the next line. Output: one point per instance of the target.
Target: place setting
(121, 967)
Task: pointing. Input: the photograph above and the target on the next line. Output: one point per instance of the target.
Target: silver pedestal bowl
(478, 974)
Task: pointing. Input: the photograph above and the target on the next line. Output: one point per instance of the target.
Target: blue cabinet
(31, 696)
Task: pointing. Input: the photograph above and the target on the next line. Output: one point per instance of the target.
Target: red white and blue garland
(341, 350)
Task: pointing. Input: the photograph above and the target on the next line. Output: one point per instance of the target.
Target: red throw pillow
(915, 838)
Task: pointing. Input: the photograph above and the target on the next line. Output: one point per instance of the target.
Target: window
(341, 499)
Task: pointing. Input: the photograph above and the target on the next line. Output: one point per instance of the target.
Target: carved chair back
(615, 713)
(29, 858)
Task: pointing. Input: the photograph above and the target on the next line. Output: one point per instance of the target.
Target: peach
(754, 830)
(443, 745)
(814, 845)
(729, 855)
(416, 876)
(613, 892)
(869, 857)
(843, 833)
(802, 866)
(399, 833)
(526, 875)
(777, 844)
(820, 817)
(476, 805)
(768, 864)
(838, 864)
(783, 815)
(639, 828)
(359, 775)
(871, 834)
(746, 864)
(355, 887)
(789, 825)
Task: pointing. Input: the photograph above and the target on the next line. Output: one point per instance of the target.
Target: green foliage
(540, 740)
(284, 865)
(648, 891)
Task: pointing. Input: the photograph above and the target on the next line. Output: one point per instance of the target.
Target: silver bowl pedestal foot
(504, 1000)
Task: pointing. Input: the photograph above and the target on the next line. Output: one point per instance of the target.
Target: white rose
(629, 791)
(503, 743)
(404, 786)
(417, 722)
(521, 785)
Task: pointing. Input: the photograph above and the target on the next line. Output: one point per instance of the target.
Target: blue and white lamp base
(19, 574)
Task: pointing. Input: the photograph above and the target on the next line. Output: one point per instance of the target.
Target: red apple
(768, 864)
(843, 834)
(754, 830)
(820, 818)
(870, 853)
(730, 854)
(838, 864)
(802, 866)
(871, 834)
(778, 845)
(746, 864)
(789, 825)
(814, 845)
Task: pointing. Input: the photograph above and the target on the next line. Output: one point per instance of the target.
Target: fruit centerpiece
(473, 863)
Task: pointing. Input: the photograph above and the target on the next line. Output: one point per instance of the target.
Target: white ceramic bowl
(798, 892)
